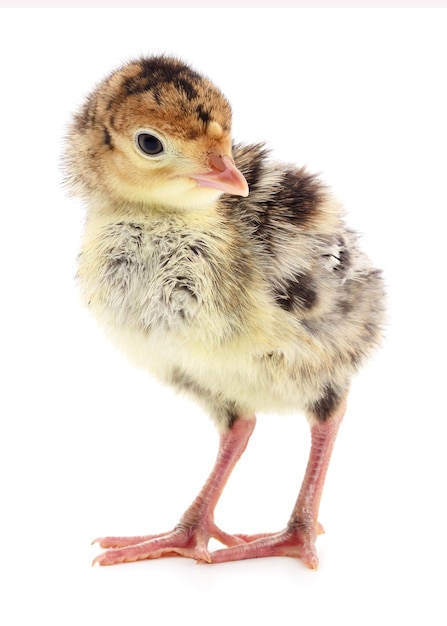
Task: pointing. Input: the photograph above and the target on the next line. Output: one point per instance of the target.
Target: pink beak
(224, 175)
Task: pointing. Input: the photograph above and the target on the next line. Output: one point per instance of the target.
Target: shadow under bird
(226, 275)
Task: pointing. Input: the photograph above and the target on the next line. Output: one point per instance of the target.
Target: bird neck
(109, 207)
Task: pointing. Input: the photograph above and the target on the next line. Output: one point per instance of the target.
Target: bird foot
(296, 541)
(249, 538)
(184, 540)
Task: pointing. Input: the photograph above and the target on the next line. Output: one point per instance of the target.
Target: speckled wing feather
(315, 270)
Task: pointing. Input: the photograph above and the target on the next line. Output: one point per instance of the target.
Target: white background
(91, 446)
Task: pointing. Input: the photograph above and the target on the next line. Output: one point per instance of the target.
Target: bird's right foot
(184, 540)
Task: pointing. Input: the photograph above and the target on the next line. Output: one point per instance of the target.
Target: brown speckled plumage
(250, 303)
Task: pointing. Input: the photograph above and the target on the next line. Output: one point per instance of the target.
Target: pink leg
(298, 538)
(191, 535)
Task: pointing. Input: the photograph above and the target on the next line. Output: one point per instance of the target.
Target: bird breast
(151, 276)
(173, 275)
(182, 297)
(188, 298)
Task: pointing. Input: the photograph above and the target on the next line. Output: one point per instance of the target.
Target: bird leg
(191, 535)
(298, 538)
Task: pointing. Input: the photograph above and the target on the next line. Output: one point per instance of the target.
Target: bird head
(157, 133)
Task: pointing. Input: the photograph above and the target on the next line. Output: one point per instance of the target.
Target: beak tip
(224, 176)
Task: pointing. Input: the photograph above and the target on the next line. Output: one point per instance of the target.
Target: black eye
(149, 144)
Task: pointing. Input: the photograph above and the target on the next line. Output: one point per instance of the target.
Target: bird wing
(311, 261)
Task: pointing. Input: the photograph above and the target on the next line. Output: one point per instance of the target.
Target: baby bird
(228, 276)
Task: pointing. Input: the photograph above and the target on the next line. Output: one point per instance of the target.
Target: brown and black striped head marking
(162, 91)
(165, 100)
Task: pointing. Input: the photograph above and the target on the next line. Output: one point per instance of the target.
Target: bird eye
(149, 144)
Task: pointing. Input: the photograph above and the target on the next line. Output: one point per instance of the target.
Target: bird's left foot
(297, 540)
